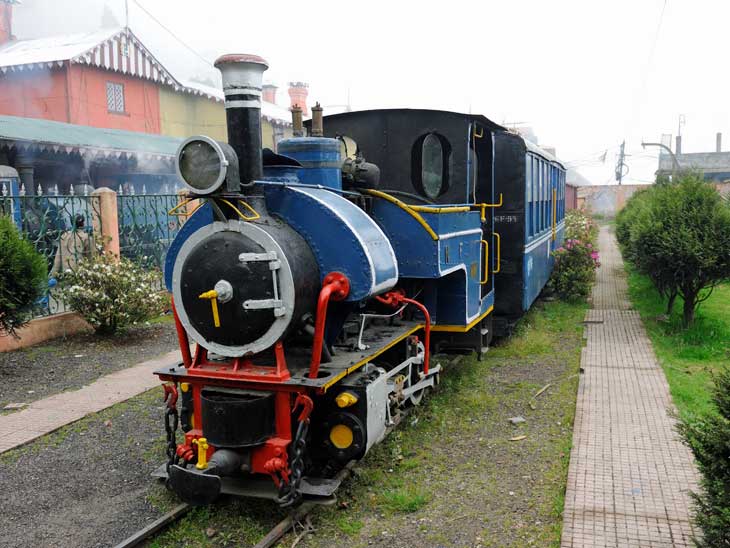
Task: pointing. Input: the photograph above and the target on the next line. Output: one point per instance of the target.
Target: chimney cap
(270, 86)
(298, 84)
(240, 58)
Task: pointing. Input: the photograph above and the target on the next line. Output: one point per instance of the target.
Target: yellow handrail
(485, 268)
(555, 200)
(185, 202)
(483, 207)
(448, 209)
(241, 215)
(499, 252)
(405, 207)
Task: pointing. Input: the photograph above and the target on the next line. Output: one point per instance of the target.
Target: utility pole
(620, 165)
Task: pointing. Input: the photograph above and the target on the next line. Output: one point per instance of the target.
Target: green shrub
(574, 270)
(678, 234)
(709, 440)
(112, 293)
(23, 277)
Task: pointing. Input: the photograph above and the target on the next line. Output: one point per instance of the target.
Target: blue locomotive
(317, 282)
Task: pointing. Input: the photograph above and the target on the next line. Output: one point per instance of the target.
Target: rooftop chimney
(718, 142)
(298, 92)
(269, 93)
(242, 75)
(678, 146)
(6, 21)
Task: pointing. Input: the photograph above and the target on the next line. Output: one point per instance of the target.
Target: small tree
(629, 219)
(112, 293)
(709, 440)
(23, 277)
(679, 235)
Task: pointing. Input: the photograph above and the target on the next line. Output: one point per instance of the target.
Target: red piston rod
(397, 298)
(335, 286)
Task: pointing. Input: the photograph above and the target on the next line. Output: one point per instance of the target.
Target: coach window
(429, 165)
(528, 196)
(535, 197)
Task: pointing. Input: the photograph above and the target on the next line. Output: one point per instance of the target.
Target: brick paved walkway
(49, 414)
(629, 474)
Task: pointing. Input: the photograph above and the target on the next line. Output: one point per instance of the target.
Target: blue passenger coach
(530, 224)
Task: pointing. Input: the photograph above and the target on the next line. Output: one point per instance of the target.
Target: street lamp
(669, 150)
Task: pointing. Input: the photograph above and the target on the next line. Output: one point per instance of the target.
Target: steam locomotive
(318, 281)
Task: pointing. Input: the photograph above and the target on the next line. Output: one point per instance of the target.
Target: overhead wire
(175, 36)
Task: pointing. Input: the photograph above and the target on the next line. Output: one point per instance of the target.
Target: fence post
(106, 226)
(184, 213)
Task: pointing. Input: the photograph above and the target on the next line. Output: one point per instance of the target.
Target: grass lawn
(457, 472)
(689, 358)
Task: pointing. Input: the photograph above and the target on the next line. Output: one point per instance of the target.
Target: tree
(680, 237)
(709, 440)
(632, 215)
(23, 277)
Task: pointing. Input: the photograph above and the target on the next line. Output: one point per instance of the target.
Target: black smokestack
(242, 79)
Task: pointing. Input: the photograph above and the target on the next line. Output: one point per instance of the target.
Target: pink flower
(594, 255)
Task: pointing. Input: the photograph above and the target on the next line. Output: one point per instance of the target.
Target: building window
(430, 165)
(115, 97)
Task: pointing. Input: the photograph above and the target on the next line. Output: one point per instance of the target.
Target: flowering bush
(112, 293)
(575, 269)
(579, 226)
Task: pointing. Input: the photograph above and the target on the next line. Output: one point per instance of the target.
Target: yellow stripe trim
(405, 207)
(462, 328)
(362, 362)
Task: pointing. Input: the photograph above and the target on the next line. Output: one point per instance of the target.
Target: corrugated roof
(37, 134)
(51, 49)
(117, 50)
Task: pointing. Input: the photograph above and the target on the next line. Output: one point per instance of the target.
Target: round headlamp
(204, 164)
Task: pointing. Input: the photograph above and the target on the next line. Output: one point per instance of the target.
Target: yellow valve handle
(202, 444)
(212, 295)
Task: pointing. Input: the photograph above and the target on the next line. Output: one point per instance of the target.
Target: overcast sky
(584, 74)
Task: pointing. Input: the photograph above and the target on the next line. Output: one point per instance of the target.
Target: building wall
(606, 200)
(35, 94)
(88, 105)
(571, 197)
(184, 114)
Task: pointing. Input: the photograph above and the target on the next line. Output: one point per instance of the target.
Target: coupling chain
(172, 418)
(289, 493)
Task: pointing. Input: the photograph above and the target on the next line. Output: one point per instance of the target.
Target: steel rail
(143, 534)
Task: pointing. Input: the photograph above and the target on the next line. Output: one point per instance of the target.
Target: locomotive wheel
(415, 398)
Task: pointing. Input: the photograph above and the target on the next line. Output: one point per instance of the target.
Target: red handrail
(396, 298)
(335, 286)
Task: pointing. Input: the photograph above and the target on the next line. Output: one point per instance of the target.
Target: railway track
(270, 539)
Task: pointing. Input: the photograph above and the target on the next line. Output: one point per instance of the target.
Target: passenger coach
(530, 223)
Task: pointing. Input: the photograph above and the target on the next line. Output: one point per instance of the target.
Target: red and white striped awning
(117, 50)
